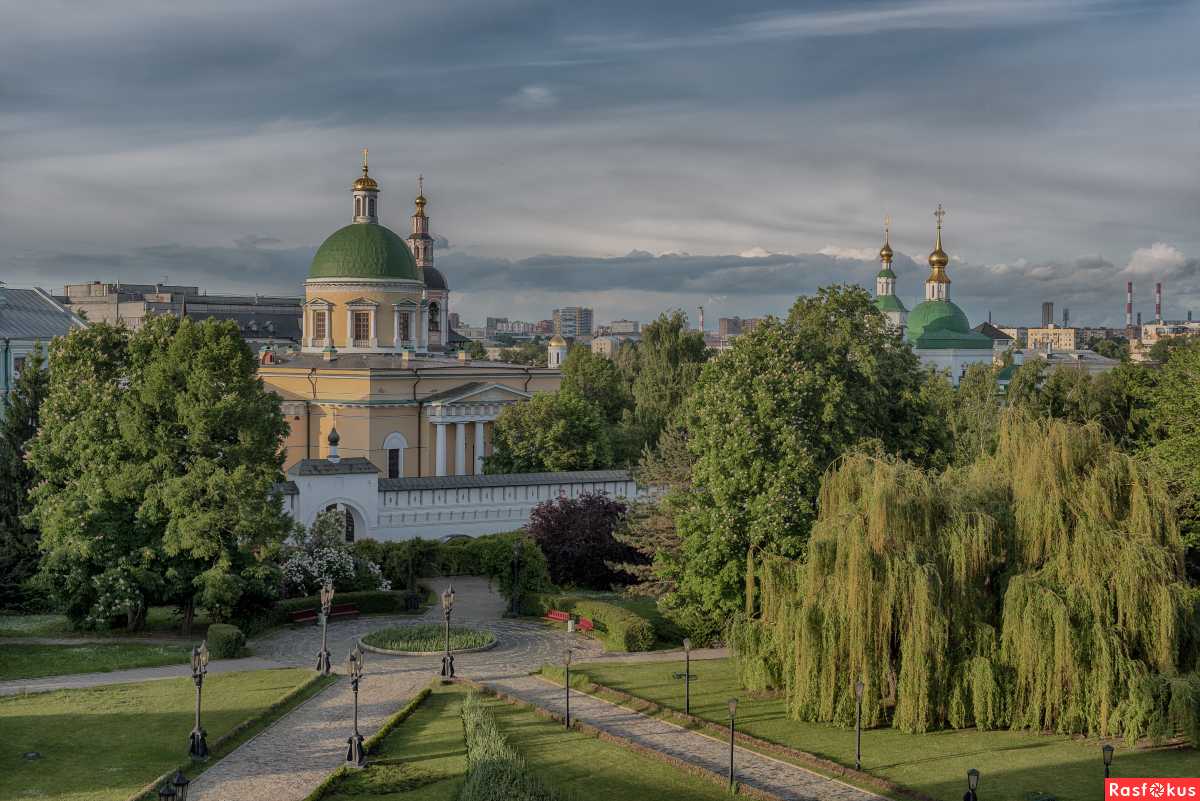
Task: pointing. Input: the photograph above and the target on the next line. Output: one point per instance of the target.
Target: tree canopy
(18, 425)
(661, 370)
(576, 536)
(552, 431)
(157, 455)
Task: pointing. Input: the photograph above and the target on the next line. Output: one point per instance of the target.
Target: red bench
(585, 624)
(340, 610)
(557, 616)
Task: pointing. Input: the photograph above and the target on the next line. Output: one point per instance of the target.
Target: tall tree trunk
(189, 615)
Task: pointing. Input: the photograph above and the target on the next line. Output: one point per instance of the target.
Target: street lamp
(732, 726)
(858, 693)
(355, 757)
(198, 747)
(567, 684)
(972, 785)
(1108, 755)
(326, 605)
(180, 784)
(686, 675)
(516, 578)
(447, 606)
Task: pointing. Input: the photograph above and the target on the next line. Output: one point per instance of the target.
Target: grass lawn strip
(110, 743)
(24, 661)
(428, 638)
(933, 764)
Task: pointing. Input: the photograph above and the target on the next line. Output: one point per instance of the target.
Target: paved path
(774, 776)
(82, 680)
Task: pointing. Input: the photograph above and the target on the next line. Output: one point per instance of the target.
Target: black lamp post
(858, 693)
(516, 578)
(355, 756)
(732, 726)
(180, 784)
(167, 793)
(972, 785)
(447, 606)
(326, 605)
(686, 675)
(198, 746)
(1108, 755)
(567, 685)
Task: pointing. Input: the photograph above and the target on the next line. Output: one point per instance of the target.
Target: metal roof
(33, 314)
(504, 480)
(355, 465)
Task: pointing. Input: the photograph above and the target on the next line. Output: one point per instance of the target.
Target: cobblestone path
(774, 776)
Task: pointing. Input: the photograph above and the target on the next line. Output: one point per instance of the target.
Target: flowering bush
(322, 556)
(119, 596)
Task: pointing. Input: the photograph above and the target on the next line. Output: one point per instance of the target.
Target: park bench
(338, 610)
(585, 624)
(558, 616)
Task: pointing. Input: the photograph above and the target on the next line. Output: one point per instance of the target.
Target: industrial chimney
(1129, 305)
(1158, 302)
(701, 319)
(1066, 317)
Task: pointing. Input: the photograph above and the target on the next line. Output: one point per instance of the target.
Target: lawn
(669, 635)
(160, 621)
(37, 661)
(1011, 763)
(105, 743)
(428, 638)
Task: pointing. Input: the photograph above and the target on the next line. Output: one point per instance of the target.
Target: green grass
(428, 637)
(106, 743)
(667, 633)
(37, 661)
(1011, 763)
(423, 759)
(160, 621)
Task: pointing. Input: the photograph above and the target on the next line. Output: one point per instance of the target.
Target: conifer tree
(18, 425)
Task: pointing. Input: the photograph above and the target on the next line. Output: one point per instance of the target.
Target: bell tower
(419, 241)
(366, 195)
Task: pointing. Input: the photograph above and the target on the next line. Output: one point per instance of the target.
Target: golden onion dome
(938, 257)
(557, 341)
(365, 182)
(885, 252)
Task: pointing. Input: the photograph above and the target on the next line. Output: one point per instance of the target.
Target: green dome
(364, 250)
(941, 324)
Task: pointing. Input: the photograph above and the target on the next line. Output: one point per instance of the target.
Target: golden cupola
(938, 258)
(364, 182)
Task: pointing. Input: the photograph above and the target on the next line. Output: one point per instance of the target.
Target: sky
(629, 156)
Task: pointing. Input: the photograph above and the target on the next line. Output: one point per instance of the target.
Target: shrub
(368, 602)
(576, 535)
(428, 638)
(225, 641)
(619, 628)
(495, 771)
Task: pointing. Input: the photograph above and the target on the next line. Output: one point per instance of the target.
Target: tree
(552, 431)
(1175, 414)
(596, 380)
(476, 350)
(530, 353)
(1111, 348)
(974, 421)
(1040, 587)
(576, 535)
(669, 358)
(158, 455)
(1161, 350)
(770, 415)
(18, 425)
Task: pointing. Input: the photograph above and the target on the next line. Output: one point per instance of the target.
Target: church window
(435, 317)
(358, 207)
(393, 462)
(371, 206)
(362, 329)
(320, 327)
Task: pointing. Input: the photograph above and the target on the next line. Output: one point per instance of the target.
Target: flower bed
(428, 638)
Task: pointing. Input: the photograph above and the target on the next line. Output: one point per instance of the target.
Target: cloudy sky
(630, 156)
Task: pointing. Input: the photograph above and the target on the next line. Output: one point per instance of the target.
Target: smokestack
(1066, 317)
(1129, 305)
(1158, 302)
(701, 319)
(1139, 319)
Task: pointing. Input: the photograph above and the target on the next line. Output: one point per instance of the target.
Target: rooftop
(355, 465)
(503, 480)
(33, 314)
(393, 361)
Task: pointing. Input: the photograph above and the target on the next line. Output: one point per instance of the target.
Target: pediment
(362, 302)
(317, 302)
(478, 393)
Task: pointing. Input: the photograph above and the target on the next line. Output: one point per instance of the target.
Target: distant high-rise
(1047, 314)
(729, 326)
(1066, 317)
(573, 321)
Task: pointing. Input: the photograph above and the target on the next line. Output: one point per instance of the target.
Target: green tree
(669, 359)
(1161, 350)
(530, 353)
(18, 425)
(476, 350)
(1175, 415)
(158, 454)
(553, 431)
(1111, 348)
(974, 421)
(770, 415)
(596, 380)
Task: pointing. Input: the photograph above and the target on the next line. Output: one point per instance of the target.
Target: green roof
(886, 272)
(364, 250)
(889, 303)
(940, 325)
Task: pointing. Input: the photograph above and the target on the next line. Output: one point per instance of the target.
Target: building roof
(503, 480)
(941, 325)
(992, 332)
(364, 250)
(394, 361)
(889, 303)
(433, 278)
(355, 465)
(33, 314)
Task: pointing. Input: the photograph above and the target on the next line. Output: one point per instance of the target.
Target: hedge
(495, 771)
(367, 601)
(619, 628)
(225, 641)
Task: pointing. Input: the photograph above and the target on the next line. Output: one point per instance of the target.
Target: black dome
(433, 278)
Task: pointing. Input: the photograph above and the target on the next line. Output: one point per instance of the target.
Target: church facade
(379, 395)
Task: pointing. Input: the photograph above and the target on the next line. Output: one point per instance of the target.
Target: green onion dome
(364, 250)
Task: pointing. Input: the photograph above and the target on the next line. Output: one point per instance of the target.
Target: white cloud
(838, 252)
(532, 98)
(1160, 259)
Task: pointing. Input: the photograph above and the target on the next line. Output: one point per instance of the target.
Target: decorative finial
(364, 161)
(938, 258)
(887, 229)
(940, 213)
(420, 184)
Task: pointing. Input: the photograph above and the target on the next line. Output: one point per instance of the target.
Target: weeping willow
(1041, 587)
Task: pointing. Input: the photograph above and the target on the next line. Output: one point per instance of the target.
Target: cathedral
(389, 421)
(937, 328)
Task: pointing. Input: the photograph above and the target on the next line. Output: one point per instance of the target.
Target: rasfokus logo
(1151, 788)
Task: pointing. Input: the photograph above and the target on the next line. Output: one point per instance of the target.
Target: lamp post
(516, 579)
(355, 756)
(447, 606)
(326, 605)
(174, 789)
(732, 726)
(1108, 755)
(972, 785)
(686, 675)
(858, 694)
(198, 746)
(567, 685)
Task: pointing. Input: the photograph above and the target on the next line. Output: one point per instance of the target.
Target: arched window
(394, 447)
(435, 317)
(358, 207)
(371, 206)
(347, 519)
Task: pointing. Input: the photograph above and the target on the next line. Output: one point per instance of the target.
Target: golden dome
(885, 252)
(420, 199)
(365, 182)
(938, 258)
(557, 341)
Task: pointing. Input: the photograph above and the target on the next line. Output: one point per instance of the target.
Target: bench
(557, 616)
(585, 624)
(339, 610)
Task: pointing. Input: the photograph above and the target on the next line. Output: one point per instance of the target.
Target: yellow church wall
(339, 295)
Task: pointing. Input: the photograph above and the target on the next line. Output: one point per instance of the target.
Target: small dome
(938, 257)
(364, 250)
(936, 315)
(366, 182)
(433, 278)
(557, 341)
(334, 438)
(885, 252)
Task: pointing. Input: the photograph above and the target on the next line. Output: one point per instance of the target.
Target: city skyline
(570, 162)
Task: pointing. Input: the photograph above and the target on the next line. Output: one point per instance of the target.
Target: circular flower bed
(428, 638)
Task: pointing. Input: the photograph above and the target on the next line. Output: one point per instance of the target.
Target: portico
(475, 405)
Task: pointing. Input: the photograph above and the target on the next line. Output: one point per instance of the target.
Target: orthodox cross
(940, 213)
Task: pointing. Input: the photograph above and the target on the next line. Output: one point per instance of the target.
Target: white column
(397, 334)
(412, 328)
(460, 449)
(375, 327)
(424, 332)
(440, 458)
(479, 447)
